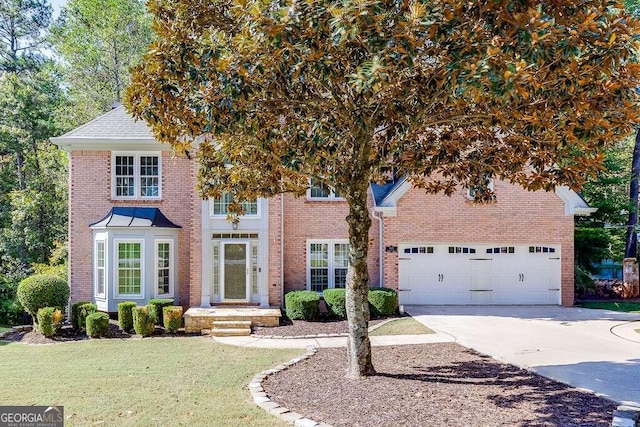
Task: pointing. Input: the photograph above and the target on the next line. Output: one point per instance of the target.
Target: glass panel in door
(235, 271)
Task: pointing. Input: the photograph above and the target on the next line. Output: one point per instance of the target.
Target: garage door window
(327, 264)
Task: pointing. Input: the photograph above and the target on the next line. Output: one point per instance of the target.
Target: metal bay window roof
(134, 217)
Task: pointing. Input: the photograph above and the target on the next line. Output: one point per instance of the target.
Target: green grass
(4, 329)
(404, 326)
(626, 306)
(164, 382)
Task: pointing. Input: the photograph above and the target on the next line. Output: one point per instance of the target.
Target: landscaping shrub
(97, 325)
(84, 310)
(43, 290)
(125, 315)
(158, 304)
(172, 317)
(382, 301)
(335, 300)
(583, 282)
(302, 305)
(49, 320)
(74, 313)
(143, 322)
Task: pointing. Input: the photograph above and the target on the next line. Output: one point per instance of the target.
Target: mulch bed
(67, 334)
(434, 385)
(300, 328)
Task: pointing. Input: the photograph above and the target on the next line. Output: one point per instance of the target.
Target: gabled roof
(134, 217)
(117, 129)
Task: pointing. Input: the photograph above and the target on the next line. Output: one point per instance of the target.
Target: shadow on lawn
(556, 402)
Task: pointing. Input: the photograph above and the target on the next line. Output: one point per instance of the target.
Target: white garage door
(479, 274)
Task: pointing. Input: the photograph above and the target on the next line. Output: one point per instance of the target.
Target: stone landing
(198, 319)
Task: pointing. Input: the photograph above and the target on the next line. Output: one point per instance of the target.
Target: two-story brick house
(139, 230)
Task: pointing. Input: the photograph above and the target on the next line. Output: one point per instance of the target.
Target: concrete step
(231, 324)
(230, 332)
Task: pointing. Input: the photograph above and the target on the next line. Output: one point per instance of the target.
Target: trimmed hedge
(143, 322)
(49, 321)
(97, 325)
(172, 317)
(302, 305)
(158, 304)
(84, 311)
(335, 300)
(382, 301)
(74, 313)
(43, 290)
(125, 315)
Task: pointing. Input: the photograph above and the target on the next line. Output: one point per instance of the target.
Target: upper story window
(320, 191)
(136, 176)
(220, 206)
(471, 192)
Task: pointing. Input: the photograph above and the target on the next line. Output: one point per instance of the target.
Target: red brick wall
(275, 253)
(305, 219)
(90, 200)
(518, 216)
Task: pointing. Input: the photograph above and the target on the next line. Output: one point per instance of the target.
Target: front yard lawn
(404, 326)
(625, 306)
(160, 381)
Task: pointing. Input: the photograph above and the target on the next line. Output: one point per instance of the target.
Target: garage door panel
(479, 274)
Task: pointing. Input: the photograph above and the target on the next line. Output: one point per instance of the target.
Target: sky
(57, 4)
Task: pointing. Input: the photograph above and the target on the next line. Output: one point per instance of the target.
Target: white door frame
(247, 291)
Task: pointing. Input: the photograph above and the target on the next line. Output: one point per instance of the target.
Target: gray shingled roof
(116, 124)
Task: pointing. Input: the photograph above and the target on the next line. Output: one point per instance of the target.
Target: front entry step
(231, 328)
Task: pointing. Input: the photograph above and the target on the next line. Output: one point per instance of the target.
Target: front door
(235, 271)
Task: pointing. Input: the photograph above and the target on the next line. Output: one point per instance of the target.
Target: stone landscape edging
(261, 399)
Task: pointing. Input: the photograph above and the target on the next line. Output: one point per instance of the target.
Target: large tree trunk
(359, 346)
(631, 248)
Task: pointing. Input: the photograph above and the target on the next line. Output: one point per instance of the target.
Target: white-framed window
(220, 206)
(164, 267)
(471, 192)
(100, 278)
(136, 175)
(129, 267)
(320, 191)
(327, 263)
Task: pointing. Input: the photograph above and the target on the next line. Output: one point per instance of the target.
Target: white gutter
(282, 250)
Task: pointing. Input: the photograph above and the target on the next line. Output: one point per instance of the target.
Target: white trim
(330, 198)
(105, 267)
(116, 290)
(257, 215)
(247, 290)
(136, 174)
(331, 259)
(573, 203)
(156, 242)
(391, 199)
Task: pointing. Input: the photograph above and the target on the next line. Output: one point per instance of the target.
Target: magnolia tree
(271, 93)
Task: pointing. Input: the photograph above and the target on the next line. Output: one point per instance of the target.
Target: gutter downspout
(381, 246)
(282, 250)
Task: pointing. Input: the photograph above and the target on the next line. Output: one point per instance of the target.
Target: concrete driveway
(597, 350)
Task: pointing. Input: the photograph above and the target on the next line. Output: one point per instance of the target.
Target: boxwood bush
(49, 320)
(302, 305)
(97, 325)
(335, 300)
(43, 290)
(158, 304)
(125, 315)
(143, 321)
(74, 313)
(382, 301)
(84, 311)
(172, 317)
